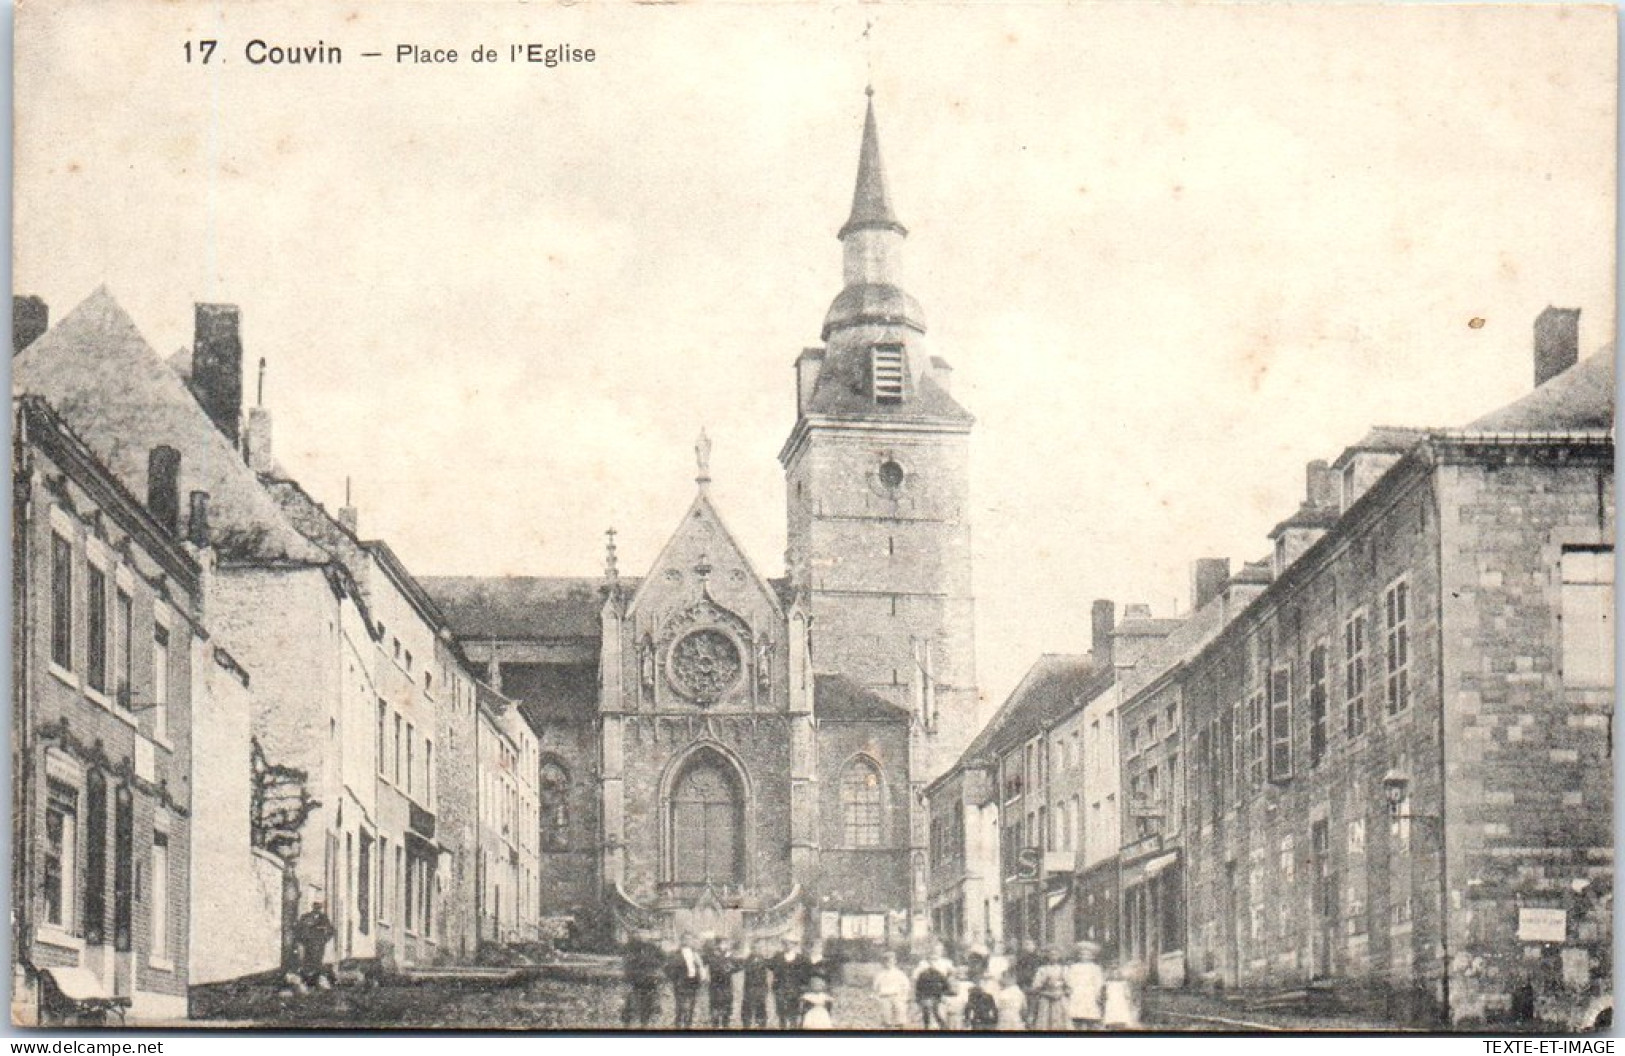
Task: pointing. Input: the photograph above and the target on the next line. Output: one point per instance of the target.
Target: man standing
(789, 982)
(641, 969)
(753, 1001)
(313, 932)
(687, 972)
(720, 965)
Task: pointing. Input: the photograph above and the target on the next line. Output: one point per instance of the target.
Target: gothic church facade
(722, 752)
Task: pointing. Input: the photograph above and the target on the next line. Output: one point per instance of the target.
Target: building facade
(107, 601)
(1399, 752)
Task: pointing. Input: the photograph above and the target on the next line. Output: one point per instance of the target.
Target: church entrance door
(707, 826)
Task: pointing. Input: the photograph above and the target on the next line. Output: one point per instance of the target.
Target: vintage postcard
(861, 516)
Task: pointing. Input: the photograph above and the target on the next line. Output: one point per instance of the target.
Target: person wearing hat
(1084, 984)
(312, 932)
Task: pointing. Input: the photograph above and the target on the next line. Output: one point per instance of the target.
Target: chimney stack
(1322, 486)
(217, 366)
(197, 524)
(1208, 577)
(164, 487)
(1557, 342)
(30, 317)
(1102, 618)
(347, 513)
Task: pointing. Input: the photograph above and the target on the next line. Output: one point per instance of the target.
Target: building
(725, 752)
(107, 599)
(1399, 753)
(508, 905)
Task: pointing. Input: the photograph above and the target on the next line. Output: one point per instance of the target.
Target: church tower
(876, 471)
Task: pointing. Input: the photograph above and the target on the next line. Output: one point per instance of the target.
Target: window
(1280, 720)
(861, 804)
(553, 791)
(125, 657)
(411, 889)
(383, 879)
(1396, 615)
(428, 772)
(160, 896)
(60, 869)
(1317, 704)
(160, 681)
(1354, 634)
(886, 365)
(411, 735)
(397, 750)
(1587, 617)
(1255, 739)
(96, 628)
(95, 879)
(383, 709)
(61, 603)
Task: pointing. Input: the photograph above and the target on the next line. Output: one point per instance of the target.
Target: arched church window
(553, 795)
(861, 802)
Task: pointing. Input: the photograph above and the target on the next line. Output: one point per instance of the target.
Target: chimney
(197, 524)
(164, 487)
(1102, 616)
(1322, 486)
(30, 317)
(1557, 342)
(1208, 577)
(217, 366)
(347, 513)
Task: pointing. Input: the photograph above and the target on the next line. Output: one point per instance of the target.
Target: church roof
(871, 206)
(1580, 398)
(841, 393)
(108, 383)
(520, 607)
(838, 698)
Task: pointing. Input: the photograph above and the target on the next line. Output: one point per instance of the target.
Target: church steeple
(872, 245)
(871, 207)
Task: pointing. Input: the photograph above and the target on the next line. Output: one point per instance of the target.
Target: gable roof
(1050, 688)
(105, 381)
(703, 508)
(1580, 398)
(479, 608)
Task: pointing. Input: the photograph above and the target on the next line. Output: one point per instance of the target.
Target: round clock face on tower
(705, 663)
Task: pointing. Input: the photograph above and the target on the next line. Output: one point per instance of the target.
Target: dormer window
(886, 373)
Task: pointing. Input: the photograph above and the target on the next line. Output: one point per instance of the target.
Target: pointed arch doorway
(705, 817)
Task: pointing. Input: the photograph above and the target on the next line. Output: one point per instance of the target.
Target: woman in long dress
(1049, 994)
(1084, 983)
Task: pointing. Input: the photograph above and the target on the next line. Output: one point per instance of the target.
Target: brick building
(107, 600)
(1399, 776)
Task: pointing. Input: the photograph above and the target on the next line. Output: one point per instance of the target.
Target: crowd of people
(993, 990)
(984, 989)
(736, 980)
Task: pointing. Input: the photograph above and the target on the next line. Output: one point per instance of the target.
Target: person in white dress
(1085, 983)
(1120, 1009)
(815, 1006)
(1012, 1003)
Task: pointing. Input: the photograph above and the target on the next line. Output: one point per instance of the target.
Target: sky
(1173, 252)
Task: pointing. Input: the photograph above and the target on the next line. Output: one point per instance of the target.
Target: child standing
(815, 1006)
(891, 987)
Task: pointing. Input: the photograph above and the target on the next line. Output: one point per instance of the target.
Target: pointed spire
(871, 207)
(702, 460)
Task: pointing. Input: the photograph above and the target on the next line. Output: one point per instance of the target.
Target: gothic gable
(703, 629)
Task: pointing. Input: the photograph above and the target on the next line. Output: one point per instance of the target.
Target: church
(722, 752)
